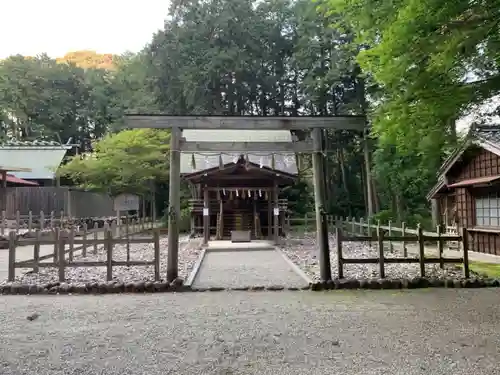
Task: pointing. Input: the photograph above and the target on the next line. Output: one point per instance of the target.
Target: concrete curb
(177, 286)
(196, 268)
(296, 268)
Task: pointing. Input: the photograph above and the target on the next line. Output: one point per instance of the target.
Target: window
(488, 210)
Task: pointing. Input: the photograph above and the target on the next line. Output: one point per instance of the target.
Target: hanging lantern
(237, 194)
(193, 162)
(260, 193)
(221, 162)
(224, 191)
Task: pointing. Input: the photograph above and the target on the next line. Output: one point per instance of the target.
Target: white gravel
(189, 251)
(303, 251)
(435, 332)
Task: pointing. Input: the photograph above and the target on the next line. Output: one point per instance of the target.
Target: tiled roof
(489, 133)
(36, 143)
(284, 162)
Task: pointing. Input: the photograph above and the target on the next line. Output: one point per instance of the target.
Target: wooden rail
(51, 220)
(111, 236)
(420, 237)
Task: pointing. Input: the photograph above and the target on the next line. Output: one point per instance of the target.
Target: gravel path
(303, 251)
(280, 333)
(242, 268)
(188, 254)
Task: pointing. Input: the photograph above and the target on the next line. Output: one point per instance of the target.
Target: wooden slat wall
(484, 164)
(77, 204)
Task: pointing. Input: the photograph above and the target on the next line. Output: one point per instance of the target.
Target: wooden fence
(74, 203)
(420, 237)
(60, 239)
(387, 236)
(43, 221)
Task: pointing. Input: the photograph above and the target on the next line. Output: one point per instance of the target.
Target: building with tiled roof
(40, 159)
(467, 194)
(238, 191)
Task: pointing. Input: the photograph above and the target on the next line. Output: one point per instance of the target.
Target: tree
(45, 99)
(90, 59)
(129, 161)
(434, 60)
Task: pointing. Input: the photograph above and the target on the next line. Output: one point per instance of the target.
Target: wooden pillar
(369, 191)
(206, 216)
(436, 220)
(276, 214)
(4, 192)
(221, 209)
(269, 215)
(319, 203)
(174, 206)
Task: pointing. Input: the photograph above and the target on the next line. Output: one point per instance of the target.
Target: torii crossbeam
(177, 145)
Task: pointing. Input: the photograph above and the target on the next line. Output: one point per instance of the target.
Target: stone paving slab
(246, 268)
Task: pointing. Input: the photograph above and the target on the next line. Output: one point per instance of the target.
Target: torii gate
(177, 145)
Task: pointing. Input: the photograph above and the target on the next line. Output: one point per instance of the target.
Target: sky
(31, 27)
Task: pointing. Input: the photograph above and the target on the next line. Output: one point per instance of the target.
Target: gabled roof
(231, 168)
(41, 157)
(285, 162)
(484, 136)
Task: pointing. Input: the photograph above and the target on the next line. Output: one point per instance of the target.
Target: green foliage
(130, 161)
(433, 61)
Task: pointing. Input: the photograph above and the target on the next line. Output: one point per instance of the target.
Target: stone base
(241, 236)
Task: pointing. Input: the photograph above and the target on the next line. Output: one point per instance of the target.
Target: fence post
(381, 260)
(109, 257)
(71, 234)
(36, 251)
(127, 236)
(52, 215)
(12, 256)
(465, 245)
(361, 226)
(114, 229)
(61, 219)
(30, 221)
(3, 222)
(340, 260)
(353, 226)
(440, 246)
(369, 229)
(61, 260)
(403, 234)
(156, 236)
(84, 238)
(57, 236)
(42, 220)
(421, 250)
(18, 221)
(96, 236)
(390, 235)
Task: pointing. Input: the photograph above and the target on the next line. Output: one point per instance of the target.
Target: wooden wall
(483, 164)
(78, 204)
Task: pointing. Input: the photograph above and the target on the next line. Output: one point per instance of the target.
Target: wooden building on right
(467, 193)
